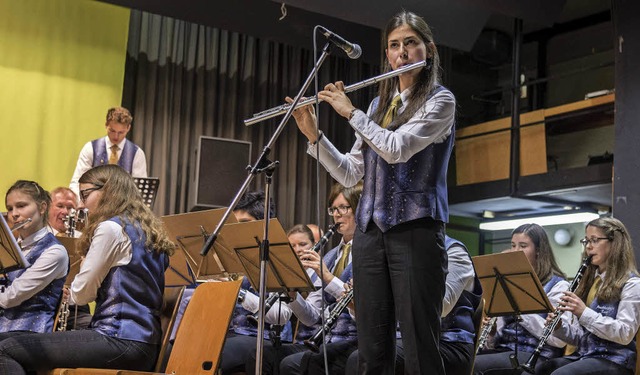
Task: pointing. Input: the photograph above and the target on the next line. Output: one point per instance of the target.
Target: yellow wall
(61, 68)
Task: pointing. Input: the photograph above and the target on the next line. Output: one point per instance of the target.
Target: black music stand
(11, 258)
(148, 188)
(286, 273)
(189, 232)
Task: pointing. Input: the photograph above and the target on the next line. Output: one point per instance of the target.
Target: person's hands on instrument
(306, 120)
(311, 259)
(572, 303)
(334, 94)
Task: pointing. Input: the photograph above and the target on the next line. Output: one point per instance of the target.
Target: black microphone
(351, 49)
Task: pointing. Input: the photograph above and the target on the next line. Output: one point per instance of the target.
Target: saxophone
(530, 365)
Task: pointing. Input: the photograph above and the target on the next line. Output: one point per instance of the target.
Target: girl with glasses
(126, 254)
(605, 305)
(29, 302)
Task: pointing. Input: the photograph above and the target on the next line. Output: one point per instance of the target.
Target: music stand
(11, 258)
(189, 232)
(510, 285)
(286, 273)
(148, 188)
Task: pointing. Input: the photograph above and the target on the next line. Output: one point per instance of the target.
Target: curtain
(184, 80)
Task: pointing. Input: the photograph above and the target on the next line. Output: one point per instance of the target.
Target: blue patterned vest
(37, 313)
(345, 327)
(101, 154)
(592, 346)
(525, 340)
(241, 326)
(458, 326)
(397, 193)
(129, 300)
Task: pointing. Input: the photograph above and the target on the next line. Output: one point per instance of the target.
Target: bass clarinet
(530, 365)
(314, 341)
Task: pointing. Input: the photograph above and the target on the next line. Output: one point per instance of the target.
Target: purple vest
(129, 300)
(101, 156)
(592, 346)
(525, 340)
(37, 313)
(397, 193)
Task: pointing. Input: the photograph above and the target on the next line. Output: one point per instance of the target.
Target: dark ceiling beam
(567, 27)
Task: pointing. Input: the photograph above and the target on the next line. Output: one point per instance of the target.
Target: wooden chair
(199, 339)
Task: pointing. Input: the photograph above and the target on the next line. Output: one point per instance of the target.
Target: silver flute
(21, 224)
(282, 109)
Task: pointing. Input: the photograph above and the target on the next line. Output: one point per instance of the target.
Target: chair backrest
(170, 303)
(203, 328)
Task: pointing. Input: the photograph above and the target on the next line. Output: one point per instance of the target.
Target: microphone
(351, 49)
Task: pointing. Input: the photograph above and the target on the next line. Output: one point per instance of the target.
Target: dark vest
(397, 193)
(592, 346)
(101, 154)
(129, 300)
(345, 327)
(37, 313)
(241, 325)
(458, 326)
(525, 340)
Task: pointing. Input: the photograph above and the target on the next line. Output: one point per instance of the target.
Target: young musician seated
(605, 305)
(123, 272)
(334, 270)
(524, 335)
(29, 301)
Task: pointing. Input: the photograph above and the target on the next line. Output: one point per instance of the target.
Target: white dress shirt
(430, 124)
(461, 277)
(51, 265)
(621, 329)
(85, 162)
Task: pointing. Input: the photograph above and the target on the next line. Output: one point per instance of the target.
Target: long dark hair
(428, 77)
(546, 265)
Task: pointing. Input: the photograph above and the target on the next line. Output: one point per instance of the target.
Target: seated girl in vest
(334, 270)
(523, 336)
(123, 272)
(605, 305)
(29, 301)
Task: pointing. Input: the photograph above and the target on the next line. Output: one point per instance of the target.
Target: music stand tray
(188, 231)
(285, 272)
(11, 257)
(148, 188)
(510, 285)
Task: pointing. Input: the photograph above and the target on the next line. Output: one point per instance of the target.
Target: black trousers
(399, 277)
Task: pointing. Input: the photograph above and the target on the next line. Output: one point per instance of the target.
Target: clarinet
(484, 334)
(530, 365)
(314, 341)
(318, 245)
(268, 303)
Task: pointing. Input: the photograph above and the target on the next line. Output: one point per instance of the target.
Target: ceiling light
(578, 217)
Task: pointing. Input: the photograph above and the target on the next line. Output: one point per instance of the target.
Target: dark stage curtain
(185, 80)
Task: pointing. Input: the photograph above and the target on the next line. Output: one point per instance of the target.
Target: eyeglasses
(593, 241)
(84, 194)
(342, 210)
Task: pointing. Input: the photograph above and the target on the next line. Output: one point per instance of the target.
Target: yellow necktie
(346, 249)
(593, 291)
(113, 158)
(391, 111)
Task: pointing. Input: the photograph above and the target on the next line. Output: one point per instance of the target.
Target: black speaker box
(220, 171)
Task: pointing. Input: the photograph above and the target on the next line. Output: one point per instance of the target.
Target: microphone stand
(261, 164)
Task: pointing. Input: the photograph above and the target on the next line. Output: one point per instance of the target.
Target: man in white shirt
(115, 148)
